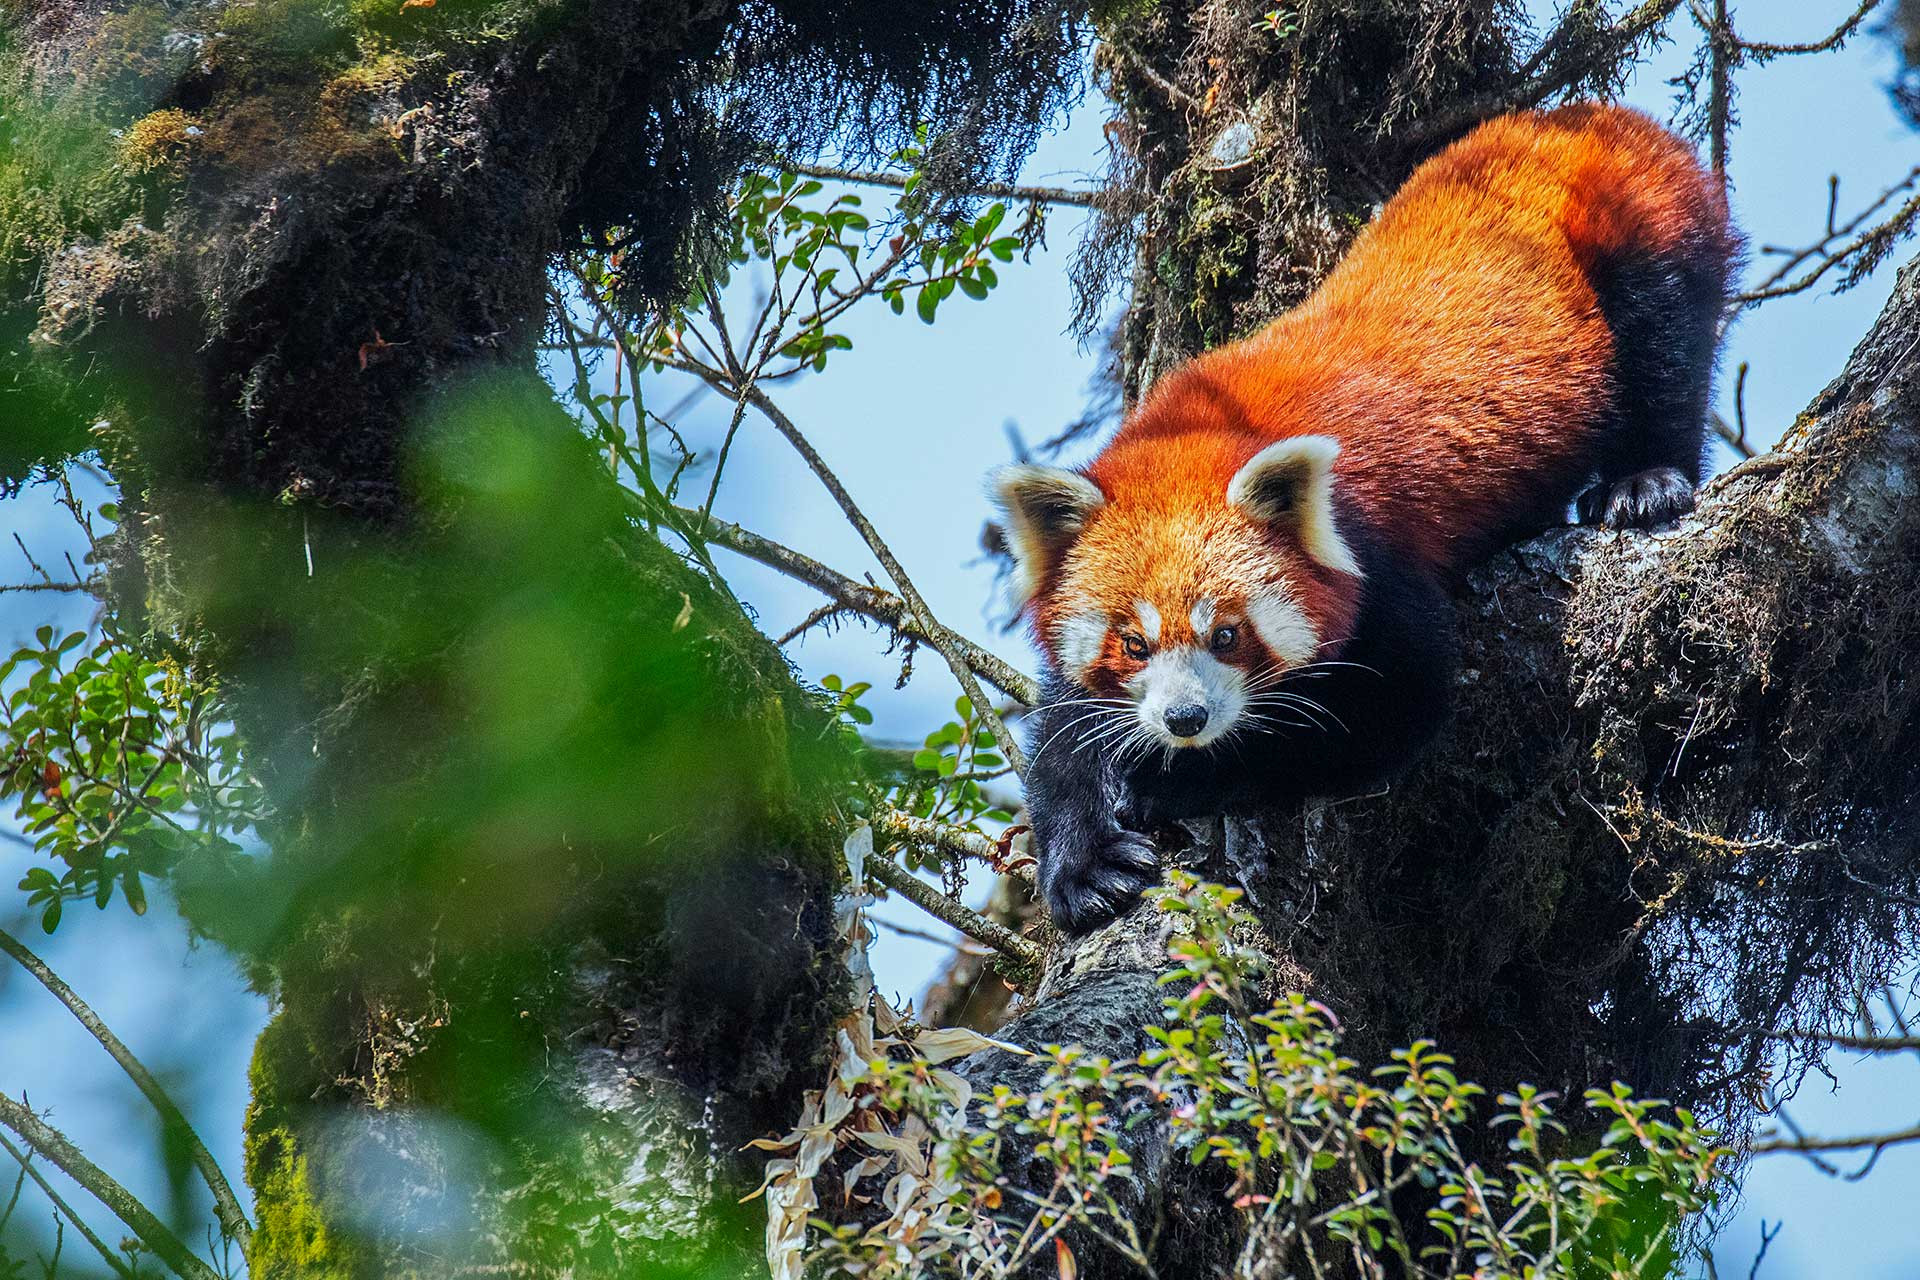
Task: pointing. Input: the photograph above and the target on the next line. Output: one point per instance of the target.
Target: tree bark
(548, 904)
(546, 907)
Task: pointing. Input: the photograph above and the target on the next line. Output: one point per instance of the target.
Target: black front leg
(1091, 869)
(1189, 783)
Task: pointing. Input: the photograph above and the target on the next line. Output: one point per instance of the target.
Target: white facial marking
(1202, 619)
(1282, 627)
(1186, 676)
(1291, 482)
(1149, 620)
(1078, 639)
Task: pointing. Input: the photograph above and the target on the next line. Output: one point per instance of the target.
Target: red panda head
(1178, 579)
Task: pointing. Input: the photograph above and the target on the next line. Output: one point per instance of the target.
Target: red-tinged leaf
(1064, 1259)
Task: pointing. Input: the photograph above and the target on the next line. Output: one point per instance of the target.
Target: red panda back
(1460, 353)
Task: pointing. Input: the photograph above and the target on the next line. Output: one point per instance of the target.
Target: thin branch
(940, 837)
(63, 1155)
(85, 586)
(1872, 1044)
(944, 641)
(1826, 258)
(1868, 1141)
(994, 190)
(965, 946)
(61, 1207)
(1762, 49)
(232, 1217)
(958, 914)
(869, 601)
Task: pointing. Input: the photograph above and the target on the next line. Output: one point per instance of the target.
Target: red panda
(1242, 599)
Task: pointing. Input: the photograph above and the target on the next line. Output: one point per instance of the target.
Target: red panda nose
(1186, 720)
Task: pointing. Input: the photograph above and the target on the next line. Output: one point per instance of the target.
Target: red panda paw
(1086, 888)
(1644, 500)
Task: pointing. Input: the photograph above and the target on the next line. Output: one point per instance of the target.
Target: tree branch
(942, 837)
(958, 914)
(52, 1144)
(993, 190)
(1875, 237)
(233, 1219)
(1762, 49)
(945, 642)
(869, 601)
(60, 1206)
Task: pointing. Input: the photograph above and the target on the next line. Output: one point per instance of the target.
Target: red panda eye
(1224, 638)
(1136, 647)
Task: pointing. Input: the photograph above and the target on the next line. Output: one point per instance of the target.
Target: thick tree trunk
(548, 907)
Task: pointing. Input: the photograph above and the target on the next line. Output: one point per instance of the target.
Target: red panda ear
(1290, 483)
(1045, 507)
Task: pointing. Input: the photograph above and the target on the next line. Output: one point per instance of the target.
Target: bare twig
(62, 1154)
(947, 643)
(869, 601)
(1872, 1044)
(1822, 253)
(994, 190)
(61, 1207)
(958, 914)
(1761, 50)
(964, 946)
(1860, 1142)
(225, 1203)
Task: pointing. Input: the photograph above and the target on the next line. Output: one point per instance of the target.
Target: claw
(1106, 885)
(1656, 496)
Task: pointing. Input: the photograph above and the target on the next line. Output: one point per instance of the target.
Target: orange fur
(1458, 354)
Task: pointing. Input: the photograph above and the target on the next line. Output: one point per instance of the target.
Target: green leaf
(927, 304)
(927, 759)
(50, 918)
(973, 288)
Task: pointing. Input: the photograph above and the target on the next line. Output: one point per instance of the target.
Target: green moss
(158, 141)
(292, 1238)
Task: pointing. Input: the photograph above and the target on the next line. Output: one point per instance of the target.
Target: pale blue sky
(911, 418)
